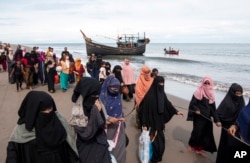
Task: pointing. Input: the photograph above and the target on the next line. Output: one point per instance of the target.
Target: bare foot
(190, 149)
(201, 153)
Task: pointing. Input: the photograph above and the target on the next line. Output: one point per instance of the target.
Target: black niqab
(231, 105)
(90, 89)
(117, 72)
(155, 109)
(49, 130)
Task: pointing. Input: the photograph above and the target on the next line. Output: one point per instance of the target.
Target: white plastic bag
(145, 147)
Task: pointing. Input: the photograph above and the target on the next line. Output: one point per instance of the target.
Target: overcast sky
(174, 21)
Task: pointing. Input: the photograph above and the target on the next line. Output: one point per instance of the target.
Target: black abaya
(154, 111)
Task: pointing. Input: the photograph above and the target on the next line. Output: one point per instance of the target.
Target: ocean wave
(196, 80)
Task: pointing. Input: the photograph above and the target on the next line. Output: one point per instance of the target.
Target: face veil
(48, 128)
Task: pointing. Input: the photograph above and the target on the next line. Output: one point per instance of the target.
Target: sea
(225, 63)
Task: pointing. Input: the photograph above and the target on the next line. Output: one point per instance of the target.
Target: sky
(163, 21)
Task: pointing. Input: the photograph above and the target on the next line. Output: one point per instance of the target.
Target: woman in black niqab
(44, 135)
(228, 112)
(155, 111)
(91, 140)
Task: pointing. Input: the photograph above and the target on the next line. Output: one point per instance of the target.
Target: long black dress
(91, 140)
(41, 137)
(228, 112)
(154, 111)
(202, 136)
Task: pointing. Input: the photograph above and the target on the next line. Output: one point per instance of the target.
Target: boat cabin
(131, 40)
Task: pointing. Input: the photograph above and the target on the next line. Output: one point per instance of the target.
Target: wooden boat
(171, 51)
(127, 44)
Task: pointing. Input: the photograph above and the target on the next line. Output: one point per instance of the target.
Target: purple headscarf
(111, 99)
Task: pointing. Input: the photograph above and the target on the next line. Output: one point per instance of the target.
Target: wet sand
(177, 130)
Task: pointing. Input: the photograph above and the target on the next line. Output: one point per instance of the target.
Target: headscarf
(160, 94)
(77, 63)
(143, 84)
(243, 121)
(128, 74)
(34, 102)
(89, 89)
(111, 99)
(155, 108)
(49, 130)
(231, 105)
(205, 90)
(117, 72)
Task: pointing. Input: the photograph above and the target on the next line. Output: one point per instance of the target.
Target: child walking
(102, 74)
(18, 74)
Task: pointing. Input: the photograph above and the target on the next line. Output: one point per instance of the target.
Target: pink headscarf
(205, 90)
(128, 73)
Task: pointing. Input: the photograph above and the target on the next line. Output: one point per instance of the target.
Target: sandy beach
(177, 130)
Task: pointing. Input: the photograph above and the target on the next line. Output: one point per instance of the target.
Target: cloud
(163, 21)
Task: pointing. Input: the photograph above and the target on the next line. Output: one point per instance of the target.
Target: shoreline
(177, 132)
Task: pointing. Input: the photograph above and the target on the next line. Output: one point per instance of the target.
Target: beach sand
(177, 131)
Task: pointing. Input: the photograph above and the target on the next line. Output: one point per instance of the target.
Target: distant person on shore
(34, 58)
(96, 66)
(201, 108)
(3, 56)
(65, 52)
(64, 75)
(90, 65)
(51, 72)
(91, 140)
(42, 135)
(128, 79)
(154, 110)
(17, 74)
(41, 68)
(10, 63)
(28, 71)
(228, 111)
(108, 68)
(110, 97)
(154, 72)
(102, 73)
(117, 72)
(18, 55)
(78, 69)
(72, 63)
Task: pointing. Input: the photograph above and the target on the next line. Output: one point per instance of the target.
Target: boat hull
(172, 52)
(123, 48)
(100, 49)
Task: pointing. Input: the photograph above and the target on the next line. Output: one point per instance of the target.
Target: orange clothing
(143, 84)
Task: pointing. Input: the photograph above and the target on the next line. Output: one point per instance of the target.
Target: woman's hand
(198, 112)
(98, 104)
(180, 113)
(112, 120)
(218, 124)
(232, 130)
(122, 119)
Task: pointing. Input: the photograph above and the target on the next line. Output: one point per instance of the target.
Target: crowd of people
(105, 133)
